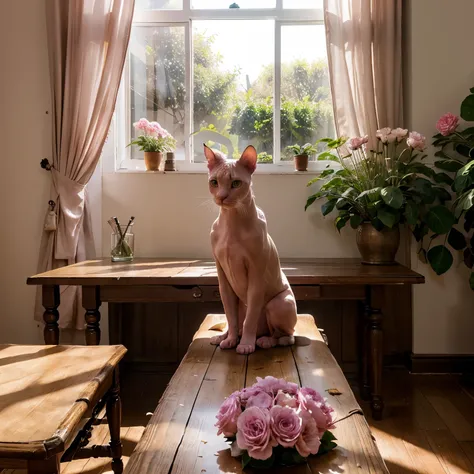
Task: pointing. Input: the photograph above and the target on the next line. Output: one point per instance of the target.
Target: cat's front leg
(230, 302)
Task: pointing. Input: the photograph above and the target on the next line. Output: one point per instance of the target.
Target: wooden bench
(50, 397)
(181, 437)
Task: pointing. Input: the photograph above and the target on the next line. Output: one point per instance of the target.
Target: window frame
(185, 17)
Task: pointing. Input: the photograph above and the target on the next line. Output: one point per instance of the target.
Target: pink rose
(309, 440)
(383, 134)
(228, 415)
(271, 385)
(286, 400)
(320, 412)
(261, 400)
(447, 124)
(399, 134)
(313, 394)
(356, 142)
(416, 141)
(248, 392)
(286, 425)
(254, 433)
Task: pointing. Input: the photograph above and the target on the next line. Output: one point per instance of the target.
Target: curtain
(87, 43)
(364, 43)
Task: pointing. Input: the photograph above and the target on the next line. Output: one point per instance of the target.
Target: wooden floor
(428, 427)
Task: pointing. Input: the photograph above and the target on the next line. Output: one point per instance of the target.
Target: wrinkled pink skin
(258, 301)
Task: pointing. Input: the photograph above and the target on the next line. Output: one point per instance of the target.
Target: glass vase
(122, 245)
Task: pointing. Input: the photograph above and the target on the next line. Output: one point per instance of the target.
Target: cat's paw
(229, 343)
(216, 340)
(265, 342)
(245, 348)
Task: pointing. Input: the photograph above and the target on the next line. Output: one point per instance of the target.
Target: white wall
(440, 73)
(172, 213)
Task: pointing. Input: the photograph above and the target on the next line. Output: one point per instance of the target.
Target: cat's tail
(286, 340)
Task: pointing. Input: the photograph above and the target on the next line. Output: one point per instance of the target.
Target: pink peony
(271, 385)
(356, 142)
(416, 141)
(399, 134)
(228, 415)
(286, 400)
(383, 134)
(286, 425)
(261, 400)
(309, 440)
(254, 433)
(447, 124)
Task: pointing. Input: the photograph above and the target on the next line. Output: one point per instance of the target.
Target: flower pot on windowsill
(377, 247)
(301, 162)
(153, 160)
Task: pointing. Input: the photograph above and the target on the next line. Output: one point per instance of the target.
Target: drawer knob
(197, 292)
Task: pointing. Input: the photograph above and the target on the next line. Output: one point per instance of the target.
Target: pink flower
(320, 412)
(142, 124)
(254, 433)
(271, 385)
(286, 425)
(228, 415)
(384, 134)
(416, 141)
(399, 134)
(447, 124)
(356, 142)
(261, 400)
(249, 392)
(313, 394)
(286, 400)
(309, 440)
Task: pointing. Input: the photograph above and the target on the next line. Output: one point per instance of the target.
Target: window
(226, 74)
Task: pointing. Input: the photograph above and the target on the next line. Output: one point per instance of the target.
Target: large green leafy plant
(456, 160)
(387, 186)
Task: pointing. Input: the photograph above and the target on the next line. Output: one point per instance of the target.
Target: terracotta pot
(377, 248)
(153, 160)
(301, 162)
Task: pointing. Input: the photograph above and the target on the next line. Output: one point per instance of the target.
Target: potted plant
(301, 155)
(456, 160)
(378, 190)
(153, 140)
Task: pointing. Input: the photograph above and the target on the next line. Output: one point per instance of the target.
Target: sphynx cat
(258, 301)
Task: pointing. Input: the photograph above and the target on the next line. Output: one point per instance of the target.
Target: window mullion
(277, 95)
(188, 105)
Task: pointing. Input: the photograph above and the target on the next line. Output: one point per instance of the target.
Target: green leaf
(467, 108)
(448, 165)
(311, 199)
(462, 182)
(290, 457)
(372, 195)
(328, 206)
(340, 222)
(411, 212)
(442, 194)
(420, 231)
(466, 201)
(392, 196)
(440, 259)
(377, 224)
(468, 258)
(327, 443)
(469, 220)
(386, 217)
(258, 464)
(245, 459)
(440, 219)
(332, 183)
(443, 178)
(471, 281)
(327, 156)
(323, 175)
(456, 239)
(356, 221)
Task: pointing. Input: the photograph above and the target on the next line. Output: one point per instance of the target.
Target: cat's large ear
(213, 159)
(249, 159)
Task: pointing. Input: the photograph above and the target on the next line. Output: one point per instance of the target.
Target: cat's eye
(236, 183)
(214, 183)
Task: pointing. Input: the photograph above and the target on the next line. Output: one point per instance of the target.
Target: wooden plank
(167, 426)
(201, 450)
(468, 448)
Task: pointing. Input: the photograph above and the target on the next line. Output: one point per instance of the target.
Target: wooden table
(45, 394)
(181, 438)
(184, 280)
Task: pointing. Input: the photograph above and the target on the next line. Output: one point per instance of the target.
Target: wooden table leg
(50, 301)
(114, 419)
(363, 343)
(91, 303)
(47, 466)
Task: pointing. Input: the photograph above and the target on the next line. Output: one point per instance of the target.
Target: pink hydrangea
(285, 425)
(447, 124)
(309, 440)
(228, 415)
(417, 141)
(254, 433)
(356, 142)
(142, 124)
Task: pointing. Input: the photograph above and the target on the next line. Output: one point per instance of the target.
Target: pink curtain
(87, 42)
(364, 43)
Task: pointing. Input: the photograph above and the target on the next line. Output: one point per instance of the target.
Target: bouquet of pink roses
(275, 422)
